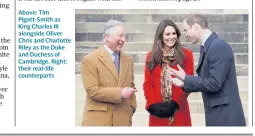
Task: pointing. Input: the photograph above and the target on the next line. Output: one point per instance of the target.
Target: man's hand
(177, 82)
(179, 74)
(127, 92)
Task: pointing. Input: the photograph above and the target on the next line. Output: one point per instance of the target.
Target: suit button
(108, 82)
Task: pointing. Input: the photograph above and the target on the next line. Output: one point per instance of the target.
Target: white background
(7, 31)
(48, 106)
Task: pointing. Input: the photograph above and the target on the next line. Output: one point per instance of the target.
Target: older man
(108, 78)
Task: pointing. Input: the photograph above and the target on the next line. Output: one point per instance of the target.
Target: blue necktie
(201, 49)
(116, 61)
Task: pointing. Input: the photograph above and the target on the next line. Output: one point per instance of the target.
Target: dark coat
(218, 83)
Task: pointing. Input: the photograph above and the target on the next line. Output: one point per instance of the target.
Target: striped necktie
(116, 61)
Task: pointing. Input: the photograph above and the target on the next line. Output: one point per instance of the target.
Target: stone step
(146, 46)
(243, 84)
(241, 70)
(140, 57)
(142, 119)
(195, 106)
(161, 11)
(233, 37)
(244, 93)
(80, 95)
(242, 81)
(150, 27)
(82, 47)
(151, 17)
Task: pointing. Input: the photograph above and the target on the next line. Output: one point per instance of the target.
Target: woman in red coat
(167, 104)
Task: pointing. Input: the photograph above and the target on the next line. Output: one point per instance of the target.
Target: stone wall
(140, 26)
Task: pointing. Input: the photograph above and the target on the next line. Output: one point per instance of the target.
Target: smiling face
(116, 38)
(191, 32)
(169, 36)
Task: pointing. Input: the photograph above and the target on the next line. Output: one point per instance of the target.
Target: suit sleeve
(219, 62)
(147, 85)
(133, 97)
(178, 94)
(91, 84)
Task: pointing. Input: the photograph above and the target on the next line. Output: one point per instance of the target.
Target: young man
(216, 75)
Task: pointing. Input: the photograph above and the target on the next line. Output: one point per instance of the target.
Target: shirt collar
(206, 36)
(108, 50)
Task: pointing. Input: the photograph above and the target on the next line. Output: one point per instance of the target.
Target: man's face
(190, 32)
(116, 39)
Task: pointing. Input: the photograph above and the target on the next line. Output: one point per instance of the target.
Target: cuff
(117, 95)
(188, 83)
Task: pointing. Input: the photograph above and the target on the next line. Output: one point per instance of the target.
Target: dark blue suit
(218, 83)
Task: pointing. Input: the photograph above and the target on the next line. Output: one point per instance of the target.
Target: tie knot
(116, 55)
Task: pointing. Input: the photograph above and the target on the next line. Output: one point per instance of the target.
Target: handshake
(127, 92)
(163, 110)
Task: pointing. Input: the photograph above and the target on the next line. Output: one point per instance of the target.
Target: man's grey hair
(198, 19)
(110, 26)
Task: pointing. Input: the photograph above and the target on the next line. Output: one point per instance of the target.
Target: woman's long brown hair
(157, 47)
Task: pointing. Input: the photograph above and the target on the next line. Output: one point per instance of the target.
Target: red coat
(151, 87)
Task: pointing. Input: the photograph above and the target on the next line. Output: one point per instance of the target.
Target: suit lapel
(107, 61)
(205, 49)
(124, 61)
